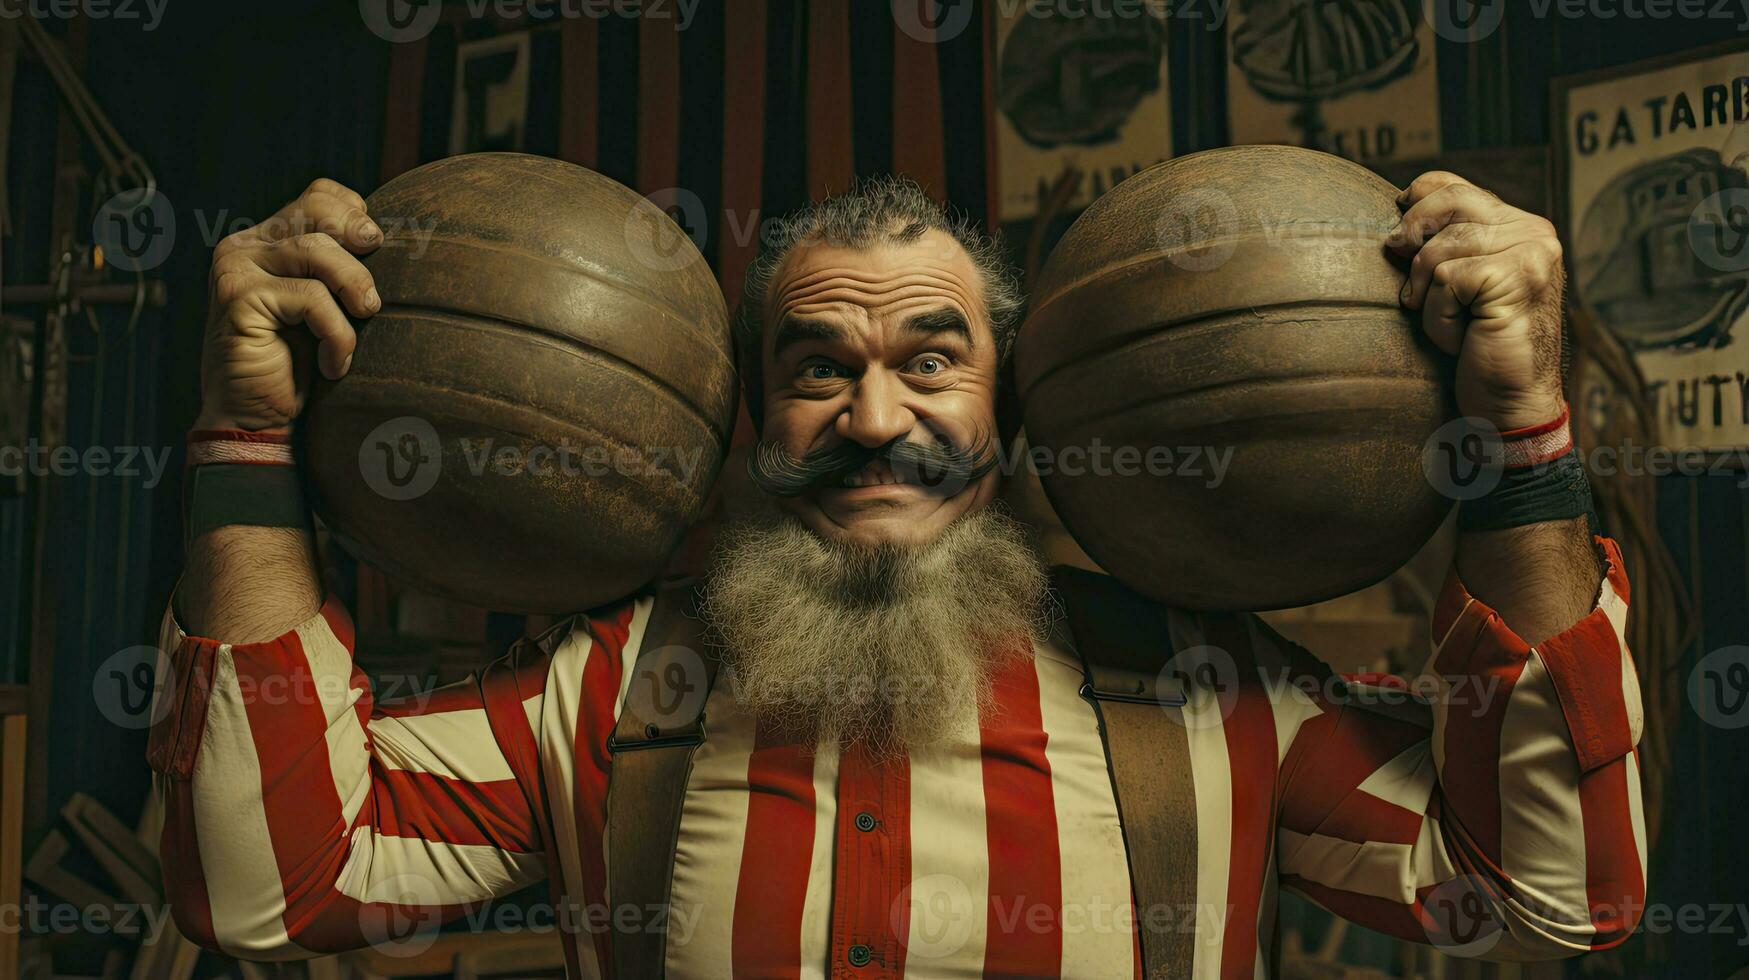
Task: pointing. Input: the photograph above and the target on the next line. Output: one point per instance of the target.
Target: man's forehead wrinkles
(851, 293)
(879, 294)
(856, 312)
(854, 285)
(874, 282)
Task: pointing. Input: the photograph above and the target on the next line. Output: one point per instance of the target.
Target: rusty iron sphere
(1239, 299)
(540, 409)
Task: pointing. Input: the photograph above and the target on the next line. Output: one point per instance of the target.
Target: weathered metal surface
(569, 350)
(1243, 300)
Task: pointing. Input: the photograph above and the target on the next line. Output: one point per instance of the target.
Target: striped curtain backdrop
(751, 109)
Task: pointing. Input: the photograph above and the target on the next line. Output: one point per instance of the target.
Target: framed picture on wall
(1652, 198)
(1357, 79)
(1081, 92)
(489, 110)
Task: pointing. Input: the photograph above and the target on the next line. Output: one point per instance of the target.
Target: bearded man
(904, 770)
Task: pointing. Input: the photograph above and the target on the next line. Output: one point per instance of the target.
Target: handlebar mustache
(939, 465)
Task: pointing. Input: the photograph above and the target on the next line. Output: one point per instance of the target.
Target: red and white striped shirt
(300, 810)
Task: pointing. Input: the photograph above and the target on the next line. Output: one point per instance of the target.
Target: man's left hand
(1487, 278)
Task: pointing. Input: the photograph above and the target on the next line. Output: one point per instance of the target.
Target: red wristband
(207, 446)
(1535, 445)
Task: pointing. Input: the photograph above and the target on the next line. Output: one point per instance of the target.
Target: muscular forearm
(1540, 578)
(248, 584)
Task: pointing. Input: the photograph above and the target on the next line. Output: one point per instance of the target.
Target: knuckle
(230, 284)
(326, 187)
(236, 312)
(323, 185)
(1431, 180)
(233, 242)
(314, 242)
(1542, 271)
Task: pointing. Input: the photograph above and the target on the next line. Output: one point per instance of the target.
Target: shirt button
(859, 955)
(865, 822)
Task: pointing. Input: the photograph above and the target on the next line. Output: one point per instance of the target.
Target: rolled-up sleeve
(1499, 816)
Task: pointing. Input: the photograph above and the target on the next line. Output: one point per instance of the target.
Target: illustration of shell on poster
(1356, 78)
(1656, 196)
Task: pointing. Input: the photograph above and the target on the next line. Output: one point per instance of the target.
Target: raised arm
(277, 290)
(1501, 816)
(302, 817)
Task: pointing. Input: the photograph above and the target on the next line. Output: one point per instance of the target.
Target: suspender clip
(655, 738)
(1133, 688)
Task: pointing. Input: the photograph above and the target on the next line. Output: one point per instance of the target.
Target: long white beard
(890, 647)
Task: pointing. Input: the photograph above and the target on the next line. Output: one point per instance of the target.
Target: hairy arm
(249, 584)
(1541, 578)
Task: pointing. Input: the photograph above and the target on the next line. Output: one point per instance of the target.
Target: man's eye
(820, 372)
(930, 365)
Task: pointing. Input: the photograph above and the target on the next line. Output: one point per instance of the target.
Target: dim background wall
(238, 106)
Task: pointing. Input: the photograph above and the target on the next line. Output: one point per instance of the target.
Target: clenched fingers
(318, 256)
(1465, 239)
(308, 301)
(1454, 286)
(327, 207)
(1450, 204)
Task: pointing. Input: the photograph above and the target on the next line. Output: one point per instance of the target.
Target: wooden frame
(1734, 458)
(14, 701)
(1559, 88)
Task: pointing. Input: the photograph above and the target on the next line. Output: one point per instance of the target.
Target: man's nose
(877, 413)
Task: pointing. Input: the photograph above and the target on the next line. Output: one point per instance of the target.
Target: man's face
(872, 345)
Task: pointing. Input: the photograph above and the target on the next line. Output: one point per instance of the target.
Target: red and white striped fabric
(301, 814)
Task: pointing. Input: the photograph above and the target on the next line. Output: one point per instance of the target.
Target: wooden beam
(13, 733)
(52, 366)
(8, 78)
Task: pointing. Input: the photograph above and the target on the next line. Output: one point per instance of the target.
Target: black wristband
(1553, 491)
(221, 494)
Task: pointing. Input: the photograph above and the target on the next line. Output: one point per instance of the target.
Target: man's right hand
(298, 269)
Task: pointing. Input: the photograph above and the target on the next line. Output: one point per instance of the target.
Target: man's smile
(875, 481)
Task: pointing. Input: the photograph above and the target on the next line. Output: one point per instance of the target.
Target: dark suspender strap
(660, 726)
(1124, 642)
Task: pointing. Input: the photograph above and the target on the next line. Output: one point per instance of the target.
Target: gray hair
(875, 210)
